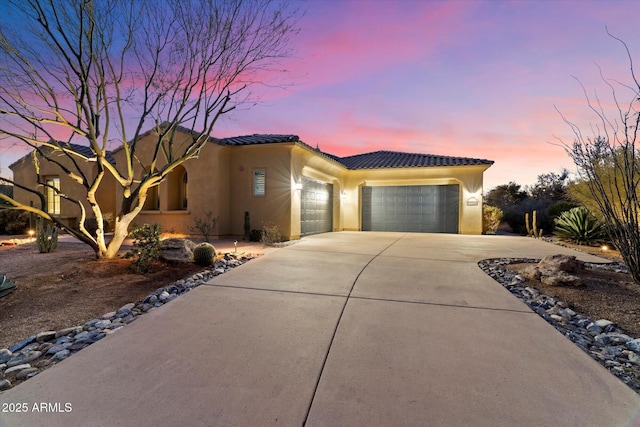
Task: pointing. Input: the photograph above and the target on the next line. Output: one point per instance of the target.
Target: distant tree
(93, 71)
(550, 186)
(608, 162)
(505, 196)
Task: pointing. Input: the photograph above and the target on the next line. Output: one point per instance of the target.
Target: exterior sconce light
(343, 196)
(298, 186)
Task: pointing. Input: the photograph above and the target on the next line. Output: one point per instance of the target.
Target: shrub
(14, 221)
(204, 225)
(146, 247)
(255, 236)
(203, 254)
(491, 219)
(580, 226)
(270, 234)
(559, 208)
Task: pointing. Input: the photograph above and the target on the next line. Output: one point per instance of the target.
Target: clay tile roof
(258, 139)
(86, 151)
(394, 159)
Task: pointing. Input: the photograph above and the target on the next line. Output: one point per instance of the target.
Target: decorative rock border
(32, 355)
(600, 339)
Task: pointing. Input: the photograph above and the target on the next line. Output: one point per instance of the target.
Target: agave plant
(6, 286)
(580, 226)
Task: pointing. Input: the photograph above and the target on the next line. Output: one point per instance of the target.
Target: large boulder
(555, 270)
(177, 250)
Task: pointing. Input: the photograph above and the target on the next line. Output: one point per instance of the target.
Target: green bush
(146, 247)
(203, 254)
(13, 221)
(491, 219)
(580, 226)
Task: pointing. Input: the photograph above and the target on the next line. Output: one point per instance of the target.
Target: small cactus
(47, 238)
(203, 254)
(533, 230)
(6, 286)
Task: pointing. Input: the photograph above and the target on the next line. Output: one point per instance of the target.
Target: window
(258, 182)
(52, 195)
(176, 188)
(183, 189)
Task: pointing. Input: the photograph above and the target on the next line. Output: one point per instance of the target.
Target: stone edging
(32, 355)
(600, 339)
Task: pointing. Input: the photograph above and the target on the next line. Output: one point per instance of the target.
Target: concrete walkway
(340, 329)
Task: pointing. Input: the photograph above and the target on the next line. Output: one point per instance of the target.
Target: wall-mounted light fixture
(298, 186)
(343, 196)
(472, 200)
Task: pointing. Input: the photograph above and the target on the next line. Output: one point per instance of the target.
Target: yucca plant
(580, 226)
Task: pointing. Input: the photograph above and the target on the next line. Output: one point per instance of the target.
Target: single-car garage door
(415, 208)
(316, 210)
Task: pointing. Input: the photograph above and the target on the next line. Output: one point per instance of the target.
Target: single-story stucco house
(280, 180)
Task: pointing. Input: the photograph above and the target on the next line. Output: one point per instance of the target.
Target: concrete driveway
(340, 329)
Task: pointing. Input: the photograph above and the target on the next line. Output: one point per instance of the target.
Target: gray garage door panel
(416, 208)
(316, 210)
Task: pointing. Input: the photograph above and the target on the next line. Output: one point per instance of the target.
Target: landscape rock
(23, 373)
(177, 250)
(127, 307)
(560, 278)
(5, 355)
(566, 263)
(67, 331)
(19, 345)
(5, 385)
(62, 354)
(633, 345)
(17, 368)
(554, 270)
(45, 336)
(22, 358)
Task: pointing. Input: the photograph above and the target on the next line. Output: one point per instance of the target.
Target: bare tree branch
(86, 72)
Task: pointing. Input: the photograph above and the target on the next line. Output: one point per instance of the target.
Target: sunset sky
(459, 78)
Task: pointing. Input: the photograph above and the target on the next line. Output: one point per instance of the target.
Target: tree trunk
(119, 234)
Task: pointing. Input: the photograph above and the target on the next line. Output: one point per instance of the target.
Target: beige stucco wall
(208, 188)
(274, 208)
(24, 173)
(221, 181)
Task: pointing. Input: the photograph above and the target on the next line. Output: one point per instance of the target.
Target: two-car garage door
(416, 208)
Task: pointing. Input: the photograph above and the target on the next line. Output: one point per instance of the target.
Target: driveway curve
(348, 328)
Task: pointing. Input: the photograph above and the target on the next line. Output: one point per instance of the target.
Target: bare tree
(609, 162)
(90, 72)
